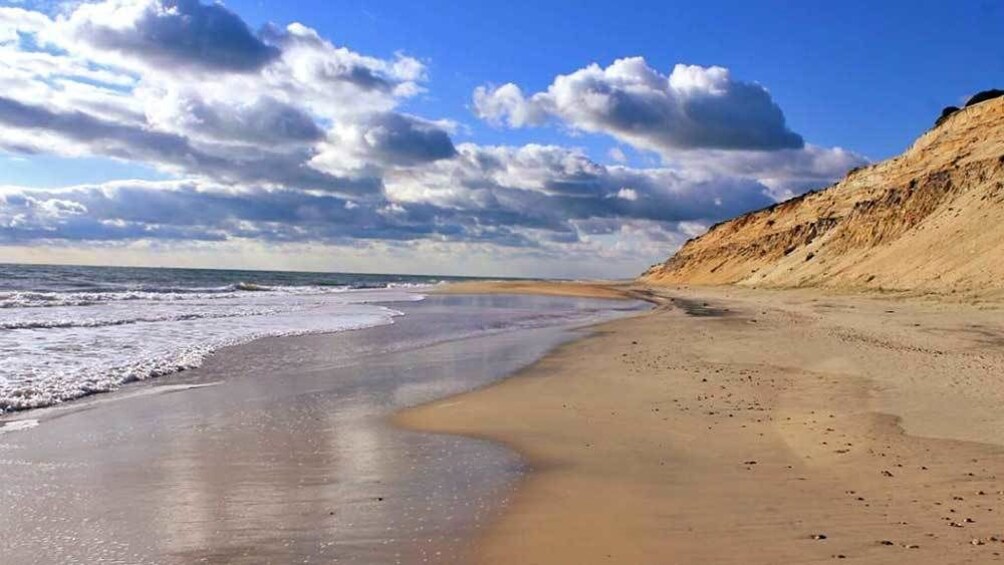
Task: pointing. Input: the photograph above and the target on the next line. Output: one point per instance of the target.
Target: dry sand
(741, 426)
(583, 289)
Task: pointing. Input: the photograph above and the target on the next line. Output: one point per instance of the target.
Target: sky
(558, 139)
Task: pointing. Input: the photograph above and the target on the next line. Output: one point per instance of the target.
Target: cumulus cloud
(506, 104)
(551, 187)
(627, 194)
(281, 136)
(78, 132)
(188, 88)
(14, 20)
(263, 120)
(383, 140)
(693, 107)
(181, 34)
(164, 210)
(786, 173)
(533, 196)
(311, 60)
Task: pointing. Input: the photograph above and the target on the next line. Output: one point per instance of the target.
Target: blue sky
(862, 75)
(479, 139)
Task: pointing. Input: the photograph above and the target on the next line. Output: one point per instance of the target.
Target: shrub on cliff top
(981, 96)
(948, 111)
(984, 96)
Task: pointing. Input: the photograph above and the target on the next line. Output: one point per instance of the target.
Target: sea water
(281, 450)
(69, 331)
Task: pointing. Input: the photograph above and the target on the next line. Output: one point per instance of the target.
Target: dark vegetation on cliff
(981, 96)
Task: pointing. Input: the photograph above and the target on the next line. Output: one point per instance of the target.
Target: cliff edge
(929, 219)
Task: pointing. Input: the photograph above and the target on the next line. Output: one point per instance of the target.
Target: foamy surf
(69, 332)
(57, 354)
(17, 426)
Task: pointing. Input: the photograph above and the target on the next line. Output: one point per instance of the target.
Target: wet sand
(743, 426)
(582, 289)
(280, 451)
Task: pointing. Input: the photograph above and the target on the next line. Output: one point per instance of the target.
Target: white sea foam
(33, 299)
(17, 426)
(82, 343)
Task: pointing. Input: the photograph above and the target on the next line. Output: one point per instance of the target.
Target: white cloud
(383, 141)
(785, 173)
(692, 108)
(14, 20)
(152, 35)
(628, 194)
(507, 105)
(190, 89)
(280, 137)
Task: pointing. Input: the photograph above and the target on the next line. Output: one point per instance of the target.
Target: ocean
(72, 331)
(282, 450)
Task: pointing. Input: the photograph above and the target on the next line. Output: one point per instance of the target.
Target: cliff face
(931, 218)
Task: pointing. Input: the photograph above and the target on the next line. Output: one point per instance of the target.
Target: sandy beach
(734, 425)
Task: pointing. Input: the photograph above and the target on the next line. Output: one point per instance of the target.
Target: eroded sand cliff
(931, 219)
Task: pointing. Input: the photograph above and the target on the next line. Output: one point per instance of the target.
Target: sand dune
(930, 220)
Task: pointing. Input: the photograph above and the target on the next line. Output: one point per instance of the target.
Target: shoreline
(773, 426)
(280, 449)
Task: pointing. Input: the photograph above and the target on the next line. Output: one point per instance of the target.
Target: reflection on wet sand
(289, 459)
